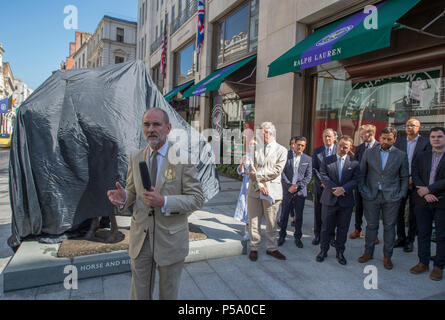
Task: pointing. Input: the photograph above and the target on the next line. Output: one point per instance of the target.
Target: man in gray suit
(383, 183)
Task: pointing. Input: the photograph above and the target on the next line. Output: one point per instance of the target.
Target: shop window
(184, 64)
(237, 35)
(346, 105)
(230, 113)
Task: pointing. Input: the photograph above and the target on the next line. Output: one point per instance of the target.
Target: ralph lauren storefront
(378, 67)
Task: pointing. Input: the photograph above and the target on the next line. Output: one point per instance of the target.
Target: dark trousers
(358, 210)
(412, 227)
(335, 217)
(318, 190)
(425, 216)
(292, 204)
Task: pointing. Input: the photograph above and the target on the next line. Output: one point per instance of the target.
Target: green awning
(178, 89)
(214, 80)
(342, 39)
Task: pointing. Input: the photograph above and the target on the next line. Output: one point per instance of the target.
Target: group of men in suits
(378, 180)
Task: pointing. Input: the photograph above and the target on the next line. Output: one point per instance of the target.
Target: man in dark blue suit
(327, 149)
(367, 135)
(295, 177)
(413, 144)
(340, 175)
(428, 173)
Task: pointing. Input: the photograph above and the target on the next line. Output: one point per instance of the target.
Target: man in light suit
(296, 176)
(319, 154)
(413, 144)
(383, 183)
(159, 234)
(340, 175)
(265, 191)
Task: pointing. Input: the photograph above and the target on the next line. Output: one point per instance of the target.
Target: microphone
(145, 175)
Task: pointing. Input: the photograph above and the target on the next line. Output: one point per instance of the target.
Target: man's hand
(322, 185)
(117, 197)
(338, 191)
(431, 198)
(422, 191)
(411, 184)
(264, 191)
(252, 175)
(153, 198)
(293, 188)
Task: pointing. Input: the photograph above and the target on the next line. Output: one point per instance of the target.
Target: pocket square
(304, 164)
(349, 168)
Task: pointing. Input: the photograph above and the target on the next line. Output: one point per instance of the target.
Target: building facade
(114, 41)
(386, 86)
(79, 39)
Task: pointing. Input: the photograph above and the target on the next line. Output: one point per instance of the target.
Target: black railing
(187, 13)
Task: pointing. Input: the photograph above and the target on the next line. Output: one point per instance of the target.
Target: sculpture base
(37, 264)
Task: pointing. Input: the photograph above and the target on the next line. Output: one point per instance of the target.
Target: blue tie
(328, 152)
(340, 168)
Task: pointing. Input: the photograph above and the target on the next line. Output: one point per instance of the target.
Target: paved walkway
(299, 277)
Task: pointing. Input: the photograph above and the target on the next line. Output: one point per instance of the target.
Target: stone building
(256, 63)
(80, 39)
(114, 41)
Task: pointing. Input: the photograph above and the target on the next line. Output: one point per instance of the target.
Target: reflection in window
(345, 105)
(184, 64)
(237, 35)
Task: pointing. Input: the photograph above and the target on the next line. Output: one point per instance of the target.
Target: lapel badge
(169, 173)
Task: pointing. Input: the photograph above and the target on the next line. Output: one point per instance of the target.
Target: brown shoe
(377, 241)
(365, 258)
(276, 254)
(355, 234)
(253, 256)
(436, 274)
(387, 263)
(419, 268)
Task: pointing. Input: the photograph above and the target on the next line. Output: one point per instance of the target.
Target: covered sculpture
(72, 141)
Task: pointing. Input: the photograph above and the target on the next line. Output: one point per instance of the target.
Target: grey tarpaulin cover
(72, 141)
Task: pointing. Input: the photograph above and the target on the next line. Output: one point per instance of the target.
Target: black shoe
(281, 241)
(320, 257)
(332, 243)
(400, 243)
(341, 258)
(409, 247)
(298, 243)
(316, 240)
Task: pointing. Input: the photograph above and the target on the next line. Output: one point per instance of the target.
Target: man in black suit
(367, 135)
(413, 144)
(340, 175)
(327, 149)
(428, 173)
(295, 177)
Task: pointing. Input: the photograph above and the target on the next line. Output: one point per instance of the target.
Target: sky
(33, 34)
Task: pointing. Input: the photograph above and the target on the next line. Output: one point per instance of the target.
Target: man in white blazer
(159, 234)
(265, 191)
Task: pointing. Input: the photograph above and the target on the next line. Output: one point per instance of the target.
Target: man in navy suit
(367, 135)
(327, 149)
(340, 175)
(413, 144)
(428, 173)
(295, 177)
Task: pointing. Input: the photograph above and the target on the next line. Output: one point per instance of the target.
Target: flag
(200, 35)
(4, 105)
(164, 52)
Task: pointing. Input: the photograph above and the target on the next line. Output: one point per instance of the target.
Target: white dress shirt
(297, 159)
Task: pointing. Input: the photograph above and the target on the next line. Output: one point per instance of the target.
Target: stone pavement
(299, 277)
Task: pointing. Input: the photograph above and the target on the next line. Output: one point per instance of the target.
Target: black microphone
(145, 175)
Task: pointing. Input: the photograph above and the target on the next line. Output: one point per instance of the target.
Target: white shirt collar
(344, 157)
(414, 140)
